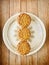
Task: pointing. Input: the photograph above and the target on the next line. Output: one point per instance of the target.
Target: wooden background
(37, 7)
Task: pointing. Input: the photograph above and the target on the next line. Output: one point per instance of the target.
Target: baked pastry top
(23, 47)
(24, 34)
(24, 20)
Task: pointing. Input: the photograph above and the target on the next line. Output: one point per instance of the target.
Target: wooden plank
(47, 27)
(29, 60)
(12, 55)
(42, 13)
(4, 17)
(0, 45)
(43, 56)
(23, 60)
(32, 7)
(23, 8)
(23, 5)
(0, 37)
(16, 6)
(12, 58)
(29, 5)
(16, 10)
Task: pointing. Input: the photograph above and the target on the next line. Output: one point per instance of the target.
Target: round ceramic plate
(38, 33)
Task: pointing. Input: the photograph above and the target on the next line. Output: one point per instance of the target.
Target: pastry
(23, 47)
(24, 20)
(24, 34)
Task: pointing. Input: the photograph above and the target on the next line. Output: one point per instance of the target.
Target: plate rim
(43, 29)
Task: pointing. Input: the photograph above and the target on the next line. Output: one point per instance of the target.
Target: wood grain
(32, 7)
(4, 17)
(23, 8)
(42, 13)
(12, 56)
(37, 7)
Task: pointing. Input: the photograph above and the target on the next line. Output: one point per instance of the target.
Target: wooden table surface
(37, 7)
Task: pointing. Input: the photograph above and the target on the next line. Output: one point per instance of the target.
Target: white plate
(35, 42)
